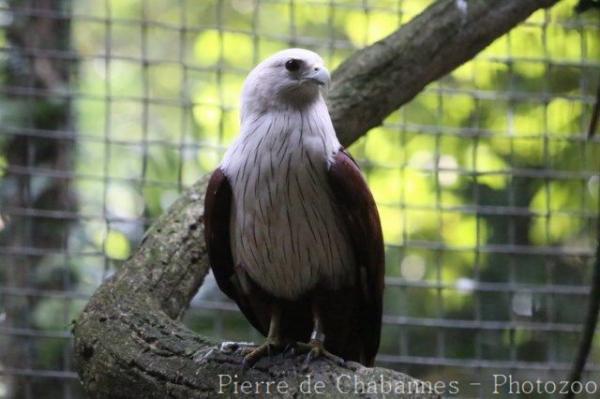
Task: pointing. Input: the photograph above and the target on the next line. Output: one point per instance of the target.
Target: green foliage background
(486, 185)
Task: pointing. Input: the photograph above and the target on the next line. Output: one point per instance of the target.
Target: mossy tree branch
(128, 343)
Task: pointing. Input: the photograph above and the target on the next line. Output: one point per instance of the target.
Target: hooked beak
(319, 75)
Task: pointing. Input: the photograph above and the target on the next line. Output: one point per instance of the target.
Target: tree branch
(128, 342)
(377, 80)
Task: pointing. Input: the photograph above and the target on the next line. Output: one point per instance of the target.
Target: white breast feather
(286, 231)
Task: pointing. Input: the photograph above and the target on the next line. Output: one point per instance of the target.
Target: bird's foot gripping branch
(130, 344)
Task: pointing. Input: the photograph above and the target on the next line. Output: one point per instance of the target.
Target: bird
(292, 230)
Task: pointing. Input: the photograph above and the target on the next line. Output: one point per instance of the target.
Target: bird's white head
(289, 78)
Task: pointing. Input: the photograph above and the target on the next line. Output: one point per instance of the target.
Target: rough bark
(128, 341)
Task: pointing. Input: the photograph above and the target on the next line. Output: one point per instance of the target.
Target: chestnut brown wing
(364, 228)
(217, 217)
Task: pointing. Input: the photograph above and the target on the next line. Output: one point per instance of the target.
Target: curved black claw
(315, 350)
(267, 349)
(289, 348)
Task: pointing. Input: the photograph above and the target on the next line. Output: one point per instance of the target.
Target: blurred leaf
(564, 116)
(463, 230)
(366, 28)
(116, 245)
(482, 159)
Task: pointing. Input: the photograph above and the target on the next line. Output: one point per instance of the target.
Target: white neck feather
(289, 129)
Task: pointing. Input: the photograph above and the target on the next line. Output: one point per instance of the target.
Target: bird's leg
(272, 344)
(315, 347)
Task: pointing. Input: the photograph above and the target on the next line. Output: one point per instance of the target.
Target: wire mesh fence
(486, 183)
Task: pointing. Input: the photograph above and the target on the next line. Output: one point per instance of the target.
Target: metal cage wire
(486, 182)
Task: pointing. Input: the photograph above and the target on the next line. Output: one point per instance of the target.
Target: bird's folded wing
(364, 228)
(217, 216)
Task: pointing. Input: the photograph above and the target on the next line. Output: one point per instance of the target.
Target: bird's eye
(292, 65)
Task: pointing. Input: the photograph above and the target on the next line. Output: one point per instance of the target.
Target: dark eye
(293, 65)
